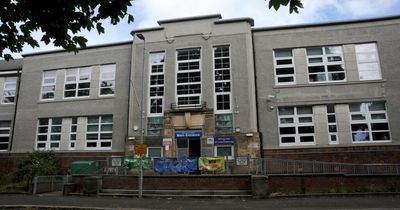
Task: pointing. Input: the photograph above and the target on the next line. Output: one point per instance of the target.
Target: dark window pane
(280, 71)
(315, 69)
(287, 130)
(380, 136)
(306, 129)
(285, 79)
(287, 139)
(379, 126)
(306, 138)
(284, 62)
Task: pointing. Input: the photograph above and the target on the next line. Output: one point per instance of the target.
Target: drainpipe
(15, 110)
(256, 92)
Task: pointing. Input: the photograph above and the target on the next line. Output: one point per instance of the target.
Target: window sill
(329, 84)
(75, 99)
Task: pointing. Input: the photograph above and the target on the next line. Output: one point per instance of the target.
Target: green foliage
(294, 5)
(36, 164)
(59, 20)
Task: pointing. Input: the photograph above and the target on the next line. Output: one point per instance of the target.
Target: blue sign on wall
(179, 164)
(188, 134)
(224, 140)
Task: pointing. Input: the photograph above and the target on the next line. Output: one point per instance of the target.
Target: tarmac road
(17, 201)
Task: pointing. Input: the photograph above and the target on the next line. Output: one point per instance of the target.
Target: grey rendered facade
(211, 87)
(33, 107)
(343, 95)
(206, 35)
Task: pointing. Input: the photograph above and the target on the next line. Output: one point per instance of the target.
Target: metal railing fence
(288, 167)
(44, 184)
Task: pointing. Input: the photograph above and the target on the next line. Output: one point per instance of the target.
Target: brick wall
(195, 182)
(358, 154)
(303, 184)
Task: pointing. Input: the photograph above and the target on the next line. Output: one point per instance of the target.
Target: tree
(59, 20)
(36, 164)
(294, 5)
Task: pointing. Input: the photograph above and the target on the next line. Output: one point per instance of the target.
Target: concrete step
(177, 193)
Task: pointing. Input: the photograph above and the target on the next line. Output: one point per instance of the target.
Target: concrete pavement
(15, 201)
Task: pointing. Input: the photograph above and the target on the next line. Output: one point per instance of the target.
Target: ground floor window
(225, 151)
(49, 133)
(154, 152)
(5, 127)
(296, 125)
(72, 135)
(99, 132)
(369, 122)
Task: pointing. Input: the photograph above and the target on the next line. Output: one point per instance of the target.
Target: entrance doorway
(188, 147)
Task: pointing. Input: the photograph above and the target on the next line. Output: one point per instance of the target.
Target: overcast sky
(147, 12)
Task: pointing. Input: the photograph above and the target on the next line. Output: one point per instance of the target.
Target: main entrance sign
(188, 134)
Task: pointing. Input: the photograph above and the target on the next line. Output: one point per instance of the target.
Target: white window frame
(284, 66)
(73, 141)
(48, 85)
(229, 81)
(231, 157)
(330, 134)
(199, 95)
(296, 124)
(104, 69)
(151, 73)
(325, 63)
(12, 90)
(5, 134)
(78, 81)
(99, 131)
(49, 133)
(368, 120)
(368, 57)
(161, 149)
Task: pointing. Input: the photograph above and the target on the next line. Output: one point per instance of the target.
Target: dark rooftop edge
(80, 49)
(326, 23)
(146, 30)
(190, 18)
(234, 20)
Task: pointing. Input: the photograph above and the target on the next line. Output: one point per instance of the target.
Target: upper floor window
(222, 79)
(188, 87)
(77, 82)
(296, 125)
(325, 64)
(155, 126)
(368, 62)
(369, 122)
(156, 84)
(223, 123)
(107, 79)
(284, 67)
(48, 85)
(10, 86)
